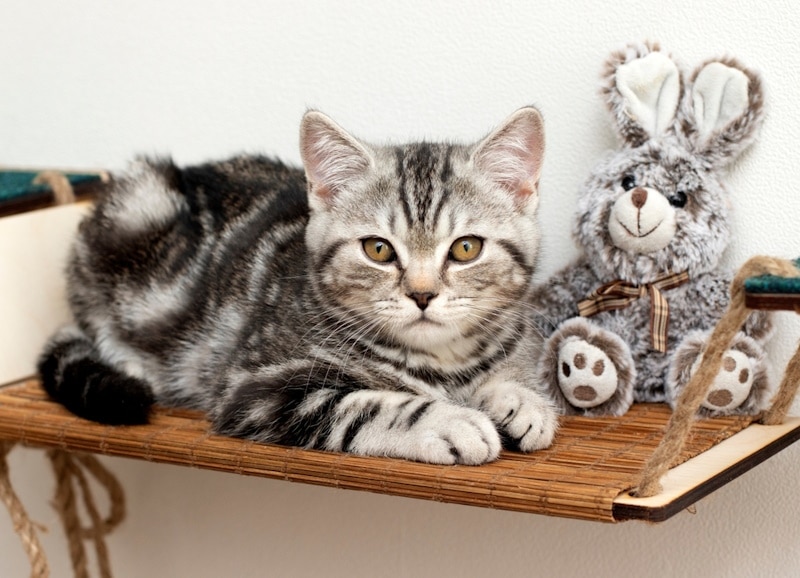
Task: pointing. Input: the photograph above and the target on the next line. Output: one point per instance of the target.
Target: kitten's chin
(425, 334)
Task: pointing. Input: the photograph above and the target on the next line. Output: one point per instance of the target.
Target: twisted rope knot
(72, 481)
(620, 294)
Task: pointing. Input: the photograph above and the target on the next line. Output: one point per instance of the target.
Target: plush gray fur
(677, 136)
(327, 310)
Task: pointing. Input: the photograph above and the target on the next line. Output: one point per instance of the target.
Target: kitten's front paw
(419, 429)
(451, 434)
(524, 416)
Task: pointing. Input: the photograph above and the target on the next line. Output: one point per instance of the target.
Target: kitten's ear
(512, 155)
(332, 158)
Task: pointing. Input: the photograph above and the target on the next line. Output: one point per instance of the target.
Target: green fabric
(773, 283)
(17, 184)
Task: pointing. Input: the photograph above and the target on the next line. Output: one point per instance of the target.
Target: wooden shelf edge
(695, 479)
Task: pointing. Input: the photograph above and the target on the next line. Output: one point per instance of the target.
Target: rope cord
(692, 396)
(72, 473)
(62, 189)
(23, 526)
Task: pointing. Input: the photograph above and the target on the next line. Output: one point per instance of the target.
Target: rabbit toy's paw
(588, 370)
(741, 386)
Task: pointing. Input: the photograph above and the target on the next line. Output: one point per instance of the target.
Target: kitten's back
(162, 274)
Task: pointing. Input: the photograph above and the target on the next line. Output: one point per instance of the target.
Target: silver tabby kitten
(374, 305)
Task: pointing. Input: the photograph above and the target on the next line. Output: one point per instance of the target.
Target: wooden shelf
(587, 474)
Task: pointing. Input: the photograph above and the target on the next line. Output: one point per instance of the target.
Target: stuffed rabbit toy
(629, 320)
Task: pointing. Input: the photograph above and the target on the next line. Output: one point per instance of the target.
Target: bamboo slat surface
(592, 461)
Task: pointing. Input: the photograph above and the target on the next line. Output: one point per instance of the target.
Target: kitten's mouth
(425, 321)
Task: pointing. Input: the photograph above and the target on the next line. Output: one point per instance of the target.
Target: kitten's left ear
(333, 159)
(512, 155)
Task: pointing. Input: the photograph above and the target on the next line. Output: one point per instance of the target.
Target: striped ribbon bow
(619, 294)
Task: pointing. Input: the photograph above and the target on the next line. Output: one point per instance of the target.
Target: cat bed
(589, 473)
(648, 464)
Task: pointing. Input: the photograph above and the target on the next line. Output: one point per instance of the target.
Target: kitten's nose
(422, 299)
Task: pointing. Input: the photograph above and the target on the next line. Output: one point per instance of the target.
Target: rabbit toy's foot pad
(587, 376)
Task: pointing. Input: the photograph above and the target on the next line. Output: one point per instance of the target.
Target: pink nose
(639, 197)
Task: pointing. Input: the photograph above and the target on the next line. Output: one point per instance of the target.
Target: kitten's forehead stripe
(447, 169)
(402, 183)
(444, 176)
(422, 170)
(426, 169)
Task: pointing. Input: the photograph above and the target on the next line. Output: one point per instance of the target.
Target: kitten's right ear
(333, 159)
(512, 155)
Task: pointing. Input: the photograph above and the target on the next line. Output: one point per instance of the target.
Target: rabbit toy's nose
(639, 197)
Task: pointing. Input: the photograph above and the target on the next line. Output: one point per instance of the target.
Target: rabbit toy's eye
(678, 200)
(628, 182)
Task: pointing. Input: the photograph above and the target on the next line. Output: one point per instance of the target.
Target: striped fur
(244, 288)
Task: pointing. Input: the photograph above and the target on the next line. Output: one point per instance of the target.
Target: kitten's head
(423, 244)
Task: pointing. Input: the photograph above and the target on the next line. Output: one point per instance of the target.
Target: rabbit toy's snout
(642, 221)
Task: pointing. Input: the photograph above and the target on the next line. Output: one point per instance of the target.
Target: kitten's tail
(73, 374)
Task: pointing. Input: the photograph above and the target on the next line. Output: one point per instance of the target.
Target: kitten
(374, 305)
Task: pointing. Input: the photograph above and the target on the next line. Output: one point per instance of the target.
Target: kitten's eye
(678, 200)
(379, 250)
(466, 249)
(628, 182)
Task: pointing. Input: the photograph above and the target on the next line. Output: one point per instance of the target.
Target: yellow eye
(466, 249)
(379, 250)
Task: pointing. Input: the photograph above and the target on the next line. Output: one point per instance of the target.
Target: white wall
(89, 83)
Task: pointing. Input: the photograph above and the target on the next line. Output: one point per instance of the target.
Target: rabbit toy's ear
(642, 90)
(724, 109)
